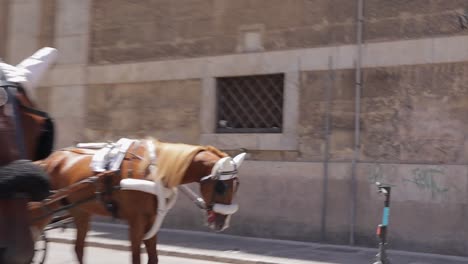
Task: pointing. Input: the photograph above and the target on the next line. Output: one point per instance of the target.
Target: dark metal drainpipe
(357, 128)
(326, 154)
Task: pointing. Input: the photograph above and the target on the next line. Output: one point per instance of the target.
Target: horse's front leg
(81, 220)
(150, 245)
(136, 229)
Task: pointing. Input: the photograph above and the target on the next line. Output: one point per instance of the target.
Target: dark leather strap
(2, 75)
(19, 132)
(11, 90)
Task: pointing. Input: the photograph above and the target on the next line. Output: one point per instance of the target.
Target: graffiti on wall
(425, 178)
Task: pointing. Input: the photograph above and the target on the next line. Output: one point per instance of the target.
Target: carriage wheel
(40, 250)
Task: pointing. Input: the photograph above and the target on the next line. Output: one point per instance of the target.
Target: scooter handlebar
(382, 188)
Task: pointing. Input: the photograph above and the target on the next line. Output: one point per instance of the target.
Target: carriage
(104, 178)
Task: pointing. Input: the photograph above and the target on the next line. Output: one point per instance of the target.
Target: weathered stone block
(73, 49)
(4, 7)
(225, 44)
(72, 17)
(194, 28)
(341, 11)
(47, 24)
(378, 30)
(69, 131)
(387, 20)
(380, 82)
(315, 12)
(192, 9)
(278, 15)
(167, 110)
(67, 101)
(343, 34)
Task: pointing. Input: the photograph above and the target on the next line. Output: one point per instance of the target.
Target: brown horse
(146, 166)
(25, 133)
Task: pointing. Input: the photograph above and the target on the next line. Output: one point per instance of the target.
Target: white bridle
(225, 169)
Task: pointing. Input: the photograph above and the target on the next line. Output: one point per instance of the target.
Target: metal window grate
(250, 104)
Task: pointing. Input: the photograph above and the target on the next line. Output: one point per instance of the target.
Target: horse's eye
(220, 187)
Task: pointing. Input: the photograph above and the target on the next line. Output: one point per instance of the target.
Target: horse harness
(112, 157)
(13, 110)
(117, 159)
(108, 173)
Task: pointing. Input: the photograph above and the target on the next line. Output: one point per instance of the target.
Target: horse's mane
(173, 159)
(216, 151)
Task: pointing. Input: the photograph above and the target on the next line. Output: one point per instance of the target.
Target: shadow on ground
(232, 245)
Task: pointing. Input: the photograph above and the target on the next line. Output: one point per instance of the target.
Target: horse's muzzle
(225, 209)
(220, 216)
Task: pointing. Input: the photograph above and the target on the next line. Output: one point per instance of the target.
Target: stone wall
(3, 26)
(411, 114)
(416, 114)
(164, 29)
(47, 23)
(399, 19)
(165, 110)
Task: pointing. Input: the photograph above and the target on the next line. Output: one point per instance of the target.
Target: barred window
(250, 104)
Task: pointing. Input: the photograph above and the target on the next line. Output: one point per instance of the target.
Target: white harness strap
(94, 145)
(166, 196)
(166, 199)
(122, 146)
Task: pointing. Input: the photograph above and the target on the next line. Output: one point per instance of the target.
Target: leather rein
(11, 89)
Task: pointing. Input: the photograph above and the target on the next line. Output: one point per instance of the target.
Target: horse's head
(218, 186)
(25, 132)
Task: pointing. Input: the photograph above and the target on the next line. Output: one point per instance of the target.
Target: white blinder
(225, 168)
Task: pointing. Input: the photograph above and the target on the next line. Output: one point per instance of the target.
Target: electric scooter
(382, 229)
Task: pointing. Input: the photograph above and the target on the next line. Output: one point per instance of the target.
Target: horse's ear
(223, 164)
(239, 159)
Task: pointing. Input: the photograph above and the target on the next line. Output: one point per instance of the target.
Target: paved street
(63, 254)
(109, 241)
(59, 253)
